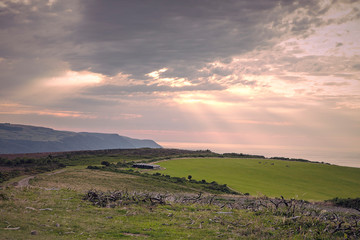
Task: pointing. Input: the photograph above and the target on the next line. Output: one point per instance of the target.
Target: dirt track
(24, 182)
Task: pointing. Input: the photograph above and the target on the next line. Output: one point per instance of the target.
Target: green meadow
(56, 205)
(272, 178)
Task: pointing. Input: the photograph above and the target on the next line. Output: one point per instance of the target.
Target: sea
(332, 156)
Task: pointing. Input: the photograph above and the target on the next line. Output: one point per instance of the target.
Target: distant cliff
(16, 138)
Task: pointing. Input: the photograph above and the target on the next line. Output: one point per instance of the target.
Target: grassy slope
(273, 178)
(81, 180)
(66, 216)
(72, 218)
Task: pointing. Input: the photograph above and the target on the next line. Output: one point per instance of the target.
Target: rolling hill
(15, 138)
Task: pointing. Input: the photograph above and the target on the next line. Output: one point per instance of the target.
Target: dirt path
(23, 182)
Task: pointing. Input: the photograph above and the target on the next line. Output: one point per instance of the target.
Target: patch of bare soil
(23, 182)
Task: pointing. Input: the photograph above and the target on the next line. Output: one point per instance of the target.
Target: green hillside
(111, 200)
(273, 178)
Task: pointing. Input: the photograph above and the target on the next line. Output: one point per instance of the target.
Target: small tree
(105, 163)
(189, 177)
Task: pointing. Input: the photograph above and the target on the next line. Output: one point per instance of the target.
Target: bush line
(213, 186)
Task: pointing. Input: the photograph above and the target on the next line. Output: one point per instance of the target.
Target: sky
(271, 77)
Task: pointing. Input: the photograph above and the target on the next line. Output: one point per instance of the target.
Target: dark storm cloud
(138, 37)
(41, 38)
(33, 40)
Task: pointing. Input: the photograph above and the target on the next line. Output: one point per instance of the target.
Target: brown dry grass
(83, 180)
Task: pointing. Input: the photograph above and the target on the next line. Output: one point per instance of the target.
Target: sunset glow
(72, 78)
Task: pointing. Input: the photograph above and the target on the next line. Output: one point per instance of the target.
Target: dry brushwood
(292, 210)
(102, 199)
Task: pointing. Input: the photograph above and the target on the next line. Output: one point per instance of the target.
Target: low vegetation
(17, 167)
(14, 165)
(346, 202)
(110, 200)
(212, 187)
(70, 214)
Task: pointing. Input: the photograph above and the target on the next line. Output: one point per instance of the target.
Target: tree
(189, 177)
(106, 163)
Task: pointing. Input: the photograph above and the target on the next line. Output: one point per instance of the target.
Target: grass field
(273, 178)
(62, 214)
(52, 207)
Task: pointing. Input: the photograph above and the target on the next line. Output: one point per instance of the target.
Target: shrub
(93, 167)
(3, 196)
(105, 163)
(346, 202)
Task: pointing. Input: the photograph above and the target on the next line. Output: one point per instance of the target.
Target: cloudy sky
(232, 75)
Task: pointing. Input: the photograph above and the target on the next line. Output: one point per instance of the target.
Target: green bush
(105, 163)
(346, 202)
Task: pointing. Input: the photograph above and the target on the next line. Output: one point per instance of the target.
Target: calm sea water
(332, 156)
